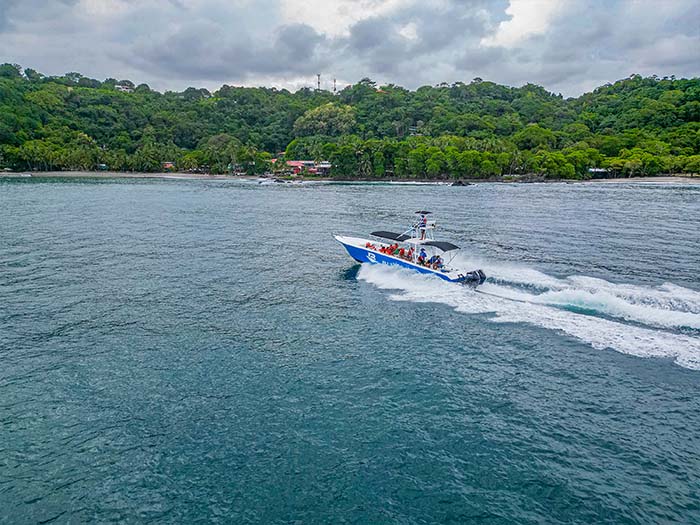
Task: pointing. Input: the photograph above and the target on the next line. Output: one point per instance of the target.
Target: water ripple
(175, 351)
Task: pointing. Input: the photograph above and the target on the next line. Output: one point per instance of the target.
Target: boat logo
(371, 258)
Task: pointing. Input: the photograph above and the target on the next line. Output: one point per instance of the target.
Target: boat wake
(662, 321)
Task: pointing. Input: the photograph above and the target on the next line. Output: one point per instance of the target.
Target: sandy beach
(123, 175)
(666, 179)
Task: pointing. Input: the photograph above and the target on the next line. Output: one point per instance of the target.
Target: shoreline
(123, 175)
(204, 176)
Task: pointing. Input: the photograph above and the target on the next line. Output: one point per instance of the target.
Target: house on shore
(598, 173)
(298, 167)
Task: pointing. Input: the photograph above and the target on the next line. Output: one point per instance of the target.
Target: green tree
(533, 137)
(378, 164)
(330, 119)
(554, 165)
(10, 71)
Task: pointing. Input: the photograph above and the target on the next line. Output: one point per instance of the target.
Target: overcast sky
(568, 46)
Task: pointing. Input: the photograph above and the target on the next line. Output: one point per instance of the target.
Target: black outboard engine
(474, 278)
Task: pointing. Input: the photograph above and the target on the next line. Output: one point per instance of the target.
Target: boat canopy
(391, 235)
(423, 212)
(442, 245)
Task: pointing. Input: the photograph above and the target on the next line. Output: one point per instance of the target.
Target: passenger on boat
(422, 256)
(437, 263)
(423, 223)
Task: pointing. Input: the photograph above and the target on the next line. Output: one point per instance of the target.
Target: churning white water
(642, 321)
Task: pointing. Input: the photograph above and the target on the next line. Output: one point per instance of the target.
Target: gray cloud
(205, 50)
(175, 43)
(479, 58)
(460, 24)
(590, 43)
(16, 12)
(378, 46)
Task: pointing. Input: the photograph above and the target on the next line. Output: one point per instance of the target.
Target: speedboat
(415, 249)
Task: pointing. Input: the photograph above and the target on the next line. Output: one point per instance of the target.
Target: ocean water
(204, 351)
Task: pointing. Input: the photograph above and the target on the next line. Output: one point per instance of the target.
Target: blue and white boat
(415, 249)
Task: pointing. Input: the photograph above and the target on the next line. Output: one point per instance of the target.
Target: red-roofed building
(309, 166)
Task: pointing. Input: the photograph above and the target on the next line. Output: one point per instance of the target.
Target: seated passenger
(422, 256)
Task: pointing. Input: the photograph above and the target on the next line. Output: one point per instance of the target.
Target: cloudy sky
(568, 46)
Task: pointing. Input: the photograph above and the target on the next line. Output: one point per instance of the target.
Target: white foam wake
(666, 306)
(507, 305)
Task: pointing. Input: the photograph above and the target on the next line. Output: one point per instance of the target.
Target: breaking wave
(643, 321)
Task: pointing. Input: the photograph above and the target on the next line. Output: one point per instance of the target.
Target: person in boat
(437, 263)
(422, 224)
(397, 250)
(409, 255)
(422, 256)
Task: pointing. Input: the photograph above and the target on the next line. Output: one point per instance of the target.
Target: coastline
(204, 176)
(662, 179)
(123, 175)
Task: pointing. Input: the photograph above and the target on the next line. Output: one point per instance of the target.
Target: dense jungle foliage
(636, 126)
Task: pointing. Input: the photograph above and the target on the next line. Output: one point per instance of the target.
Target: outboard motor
(474, 278)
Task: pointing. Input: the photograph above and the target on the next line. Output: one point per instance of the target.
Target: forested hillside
(636, 126)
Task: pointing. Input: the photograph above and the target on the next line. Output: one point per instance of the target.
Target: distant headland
(635, 127)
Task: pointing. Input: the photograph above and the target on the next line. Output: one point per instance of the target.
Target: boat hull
(355, 248)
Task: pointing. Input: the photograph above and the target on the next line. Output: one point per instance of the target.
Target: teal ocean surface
(178, 351)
